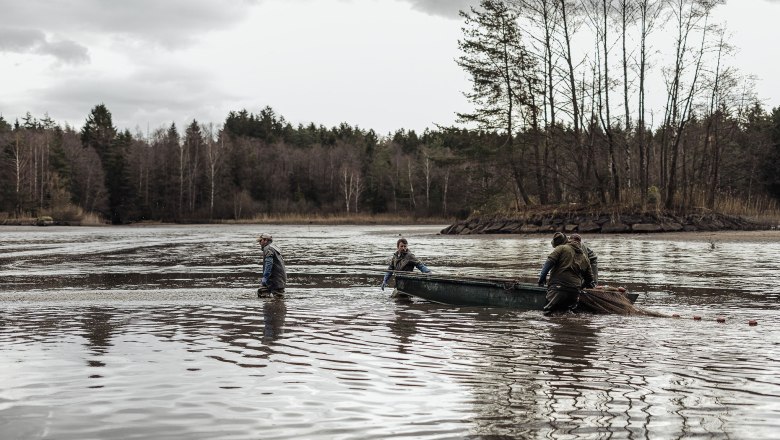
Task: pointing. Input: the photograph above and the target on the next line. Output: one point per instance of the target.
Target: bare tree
(626, 14)
(214, 152)
(690, 15)
(712, 132)
(412, 202)
(649, 11)
(600, 11)
(543, 16)
(568, 28)
(346, 185)
(427, 170)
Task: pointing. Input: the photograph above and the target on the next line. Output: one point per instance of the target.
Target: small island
(593, 221)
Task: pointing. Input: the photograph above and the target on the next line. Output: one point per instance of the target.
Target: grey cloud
(444, 8)
(169, 23)
(20, 40)
(35, 41)
(66, 51)
(154, 97)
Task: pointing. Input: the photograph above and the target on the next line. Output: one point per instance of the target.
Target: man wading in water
(592, 258)
(402, 261)
(274, 274)
(569, 270)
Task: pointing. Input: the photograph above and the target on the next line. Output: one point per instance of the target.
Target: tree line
(548, 127)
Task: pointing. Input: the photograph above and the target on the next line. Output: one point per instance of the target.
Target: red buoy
(621, 289)
(720, 319)
(697, 318)
(675, 315)
(752, 322)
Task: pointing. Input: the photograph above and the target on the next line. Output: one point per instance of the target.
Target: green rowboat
(472, 291)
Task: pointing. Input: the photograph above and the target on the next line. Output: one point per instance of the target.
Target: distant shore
(537, 220)
(282, 219)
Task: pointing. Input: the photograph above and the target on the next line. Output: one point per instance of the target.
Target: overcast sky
(381, 64)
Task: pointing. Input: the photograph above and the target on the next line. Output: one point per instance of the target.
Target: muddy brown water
(156, 333)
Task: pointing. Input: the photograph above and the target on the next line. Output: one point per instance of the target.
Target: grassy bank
(92, 219)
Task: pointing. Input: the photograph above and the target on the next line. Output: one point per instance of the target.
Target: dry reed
(341, 219)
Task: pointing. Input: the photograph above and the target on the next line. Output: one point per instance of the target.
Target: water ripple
(156, 332)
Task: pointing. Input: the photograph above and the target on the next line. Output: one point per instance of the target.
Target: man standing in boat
(569, 270)
(402, 261)
(274, 273)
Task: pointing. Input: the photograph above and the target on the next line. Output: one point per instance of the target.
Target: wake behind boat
(486, 292)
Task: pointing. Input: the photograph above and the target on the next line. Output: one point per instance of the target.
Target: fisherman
(402, 261)
(569, 270)
(592, 258)
(274, 273)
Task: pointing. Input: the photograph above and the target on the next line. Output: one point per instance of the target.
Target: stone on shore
(582, 220)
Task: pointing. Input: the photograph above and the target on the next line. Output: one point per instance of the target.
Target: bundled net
(610, 300)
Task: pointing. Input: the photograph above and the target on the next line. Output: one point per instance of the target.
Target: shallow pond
(156, 332)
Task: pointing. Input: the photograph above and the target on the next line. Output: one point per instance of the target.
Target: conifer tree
(772, 178)
(100, 134)
(501, 71)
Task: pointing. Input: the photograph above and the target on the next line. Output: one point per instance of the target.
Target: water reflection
(98, 329)
(571, 402)
(404, 326)
(274, 312)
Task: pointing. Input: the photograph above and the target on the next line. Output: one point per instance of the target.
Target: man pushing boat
(402, 261)
(569, 271)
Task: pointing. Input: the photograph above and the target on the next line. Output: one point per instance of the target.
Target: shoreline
(276, 220)
(539, 222)
(703, 236)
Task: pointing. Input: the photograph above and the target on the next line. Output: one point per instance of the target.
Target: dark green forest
(546, 130)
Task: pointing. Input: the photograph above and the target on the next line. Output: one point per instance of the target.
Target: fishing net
(610, 300)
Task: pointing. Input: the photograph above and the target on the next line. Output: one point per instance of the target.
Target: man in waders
(592, 258)
(569, 270)
(274, 274)
(402, 261)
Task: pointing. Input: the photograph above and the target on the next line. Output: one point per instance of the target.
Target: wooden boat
(472, 291)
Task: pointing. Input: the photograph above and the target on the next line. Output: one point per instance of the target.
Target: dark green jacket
(570, 266)
(593, 259)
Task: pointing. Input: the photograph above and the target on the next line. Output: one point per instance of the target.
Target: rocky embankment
(602, 223)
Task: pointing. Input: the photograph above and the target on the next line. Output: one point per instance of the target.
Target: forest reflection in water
(156, 332)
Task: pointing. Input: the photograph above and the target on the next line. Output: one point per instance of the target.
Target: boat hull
(475, 292)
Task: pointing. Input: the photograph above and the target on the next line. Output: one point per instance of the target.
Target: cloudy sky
(381, 64)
